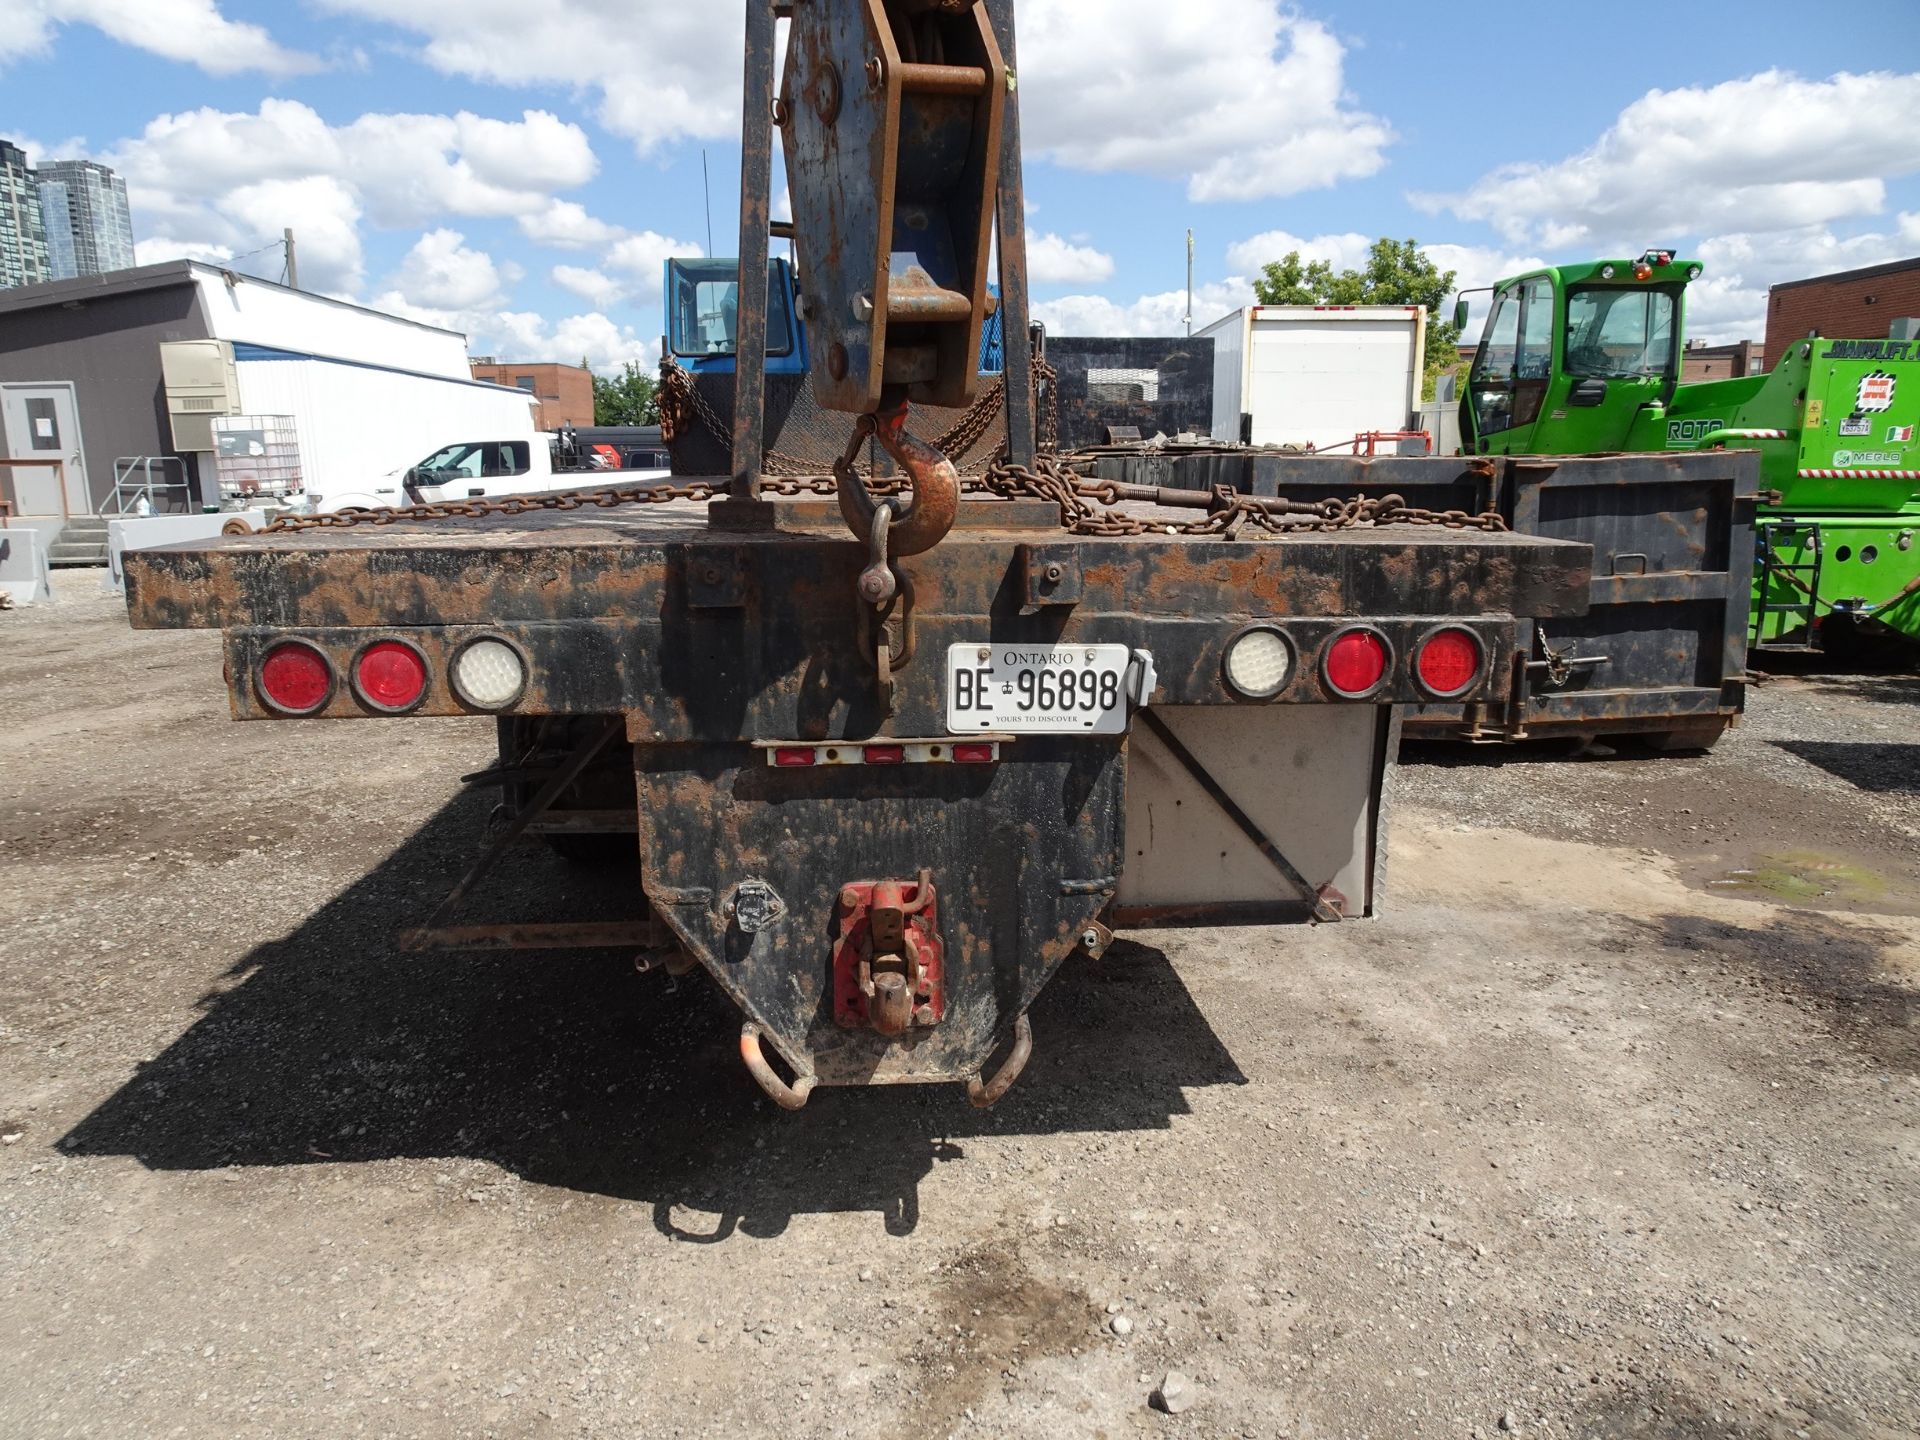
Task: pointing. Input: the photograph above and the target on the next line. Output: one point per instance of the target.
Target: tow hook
(982, 1092)
(787, 1097)
(888, 960)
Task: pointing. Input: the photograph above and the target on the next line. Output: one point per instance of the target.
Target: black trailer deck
(1661, 650)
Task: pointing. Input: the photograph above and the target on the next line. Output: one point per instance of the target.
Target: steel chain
(680, 399)
(1087, 507)
(1048, 440)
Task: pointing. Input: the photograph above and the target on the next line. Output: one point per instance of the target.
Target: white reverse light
(1259, 663)
(489, 674)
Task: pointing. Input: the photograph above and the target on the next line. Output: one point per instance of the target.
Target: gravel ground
(1605, 1129)
(1821, 768)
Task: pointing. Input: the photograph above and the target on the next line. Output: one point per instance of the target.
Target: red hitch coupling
(887, 956)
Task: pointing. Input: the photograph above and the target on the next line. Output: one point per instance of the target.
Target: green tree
(1397, 272)
(629, 398)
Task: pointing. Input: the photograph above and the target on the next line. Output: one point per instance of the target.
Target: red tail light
(295, 678)
(1449, 662)
(973, 754)
(793, 756)
(1356, 663)
(390, 675)
(884, 754)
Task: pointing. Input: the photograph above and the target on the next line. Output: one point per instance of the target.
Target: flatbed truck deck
(771, 764)
(878, 763)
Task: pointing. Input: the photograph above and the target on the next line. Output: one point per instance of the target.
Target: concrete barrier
(143, 533)
(23, 565)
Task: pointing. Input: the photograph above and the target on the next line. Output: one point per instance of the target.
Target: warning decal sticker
(1876, 393)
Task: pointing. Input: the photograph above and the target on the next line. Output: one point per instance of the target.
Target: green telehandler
(1585, 359)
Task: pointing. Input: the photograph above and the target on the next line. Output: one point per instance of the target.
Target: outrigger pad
(746, 862)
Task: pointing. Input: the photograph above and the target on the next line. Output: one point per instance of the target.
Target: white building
(148, 368)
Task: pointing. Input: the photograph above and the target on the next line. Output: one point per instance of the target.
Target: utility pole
(293, 264)
(1189, 281)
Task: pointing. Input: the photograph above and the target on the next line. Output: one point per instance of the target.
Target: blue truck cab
(703, 305)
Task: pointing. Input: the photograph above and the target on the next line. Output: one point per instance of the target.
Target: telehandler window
(1618, 334)
(1515, 358)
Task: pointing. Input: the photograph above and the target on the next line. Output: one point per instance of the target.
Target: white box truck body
(1316, 375)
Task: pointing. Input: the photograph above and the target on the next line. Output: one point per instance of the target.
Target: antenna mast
(1189, 280)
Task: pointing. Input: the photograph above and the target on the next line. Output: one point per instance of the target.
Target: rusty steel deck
(709, 632)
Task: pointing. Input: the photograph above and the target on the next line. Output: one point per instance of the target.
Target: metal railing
(1368, 442)
(135, 489)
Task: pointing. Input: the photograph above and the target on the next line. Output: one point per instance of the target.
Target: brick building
(1853, 305)
(1700, 361)
(565, 392)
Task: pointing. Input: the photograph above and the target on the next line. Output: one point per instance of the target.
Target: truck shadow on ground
(1883, 768)
(1550, 750)
(569, 1069)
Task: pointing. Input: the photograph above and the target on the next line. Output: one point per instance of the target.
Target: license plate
(1037, 689)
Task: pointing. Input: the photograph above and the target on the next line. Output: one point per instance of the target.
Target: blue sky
(519, 170)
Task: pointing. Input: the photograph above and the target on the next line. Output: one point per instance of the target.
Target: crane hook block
(890, 114)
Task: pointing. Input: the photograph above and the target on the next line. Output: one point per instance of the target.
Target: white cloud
(193, 32)
(415, 168)
(606, 344)
(525, 335)
(1242, 99)
(596, 287)
(441, 272)
(1162, 314)
(323, 212)
(1239, 98)
(1344, 252)
(1054, 261)
(664, 72)
(211, 180)
(156, 252)
(1473, 265)
(566, 225)
(1766, 153)
(644, 257)
(445, 282)
(1476, 265)
(39, 153)
(1729, 302)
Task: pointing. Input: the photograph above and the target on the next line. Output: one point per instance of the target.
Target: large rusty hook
(787, 1097)
(922, 522)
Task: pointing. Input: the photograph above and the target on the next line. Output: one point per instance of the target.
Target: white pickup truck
(475, 469)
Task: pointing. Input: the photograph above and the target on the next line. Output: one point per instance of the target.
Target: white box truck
(1316, 375)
